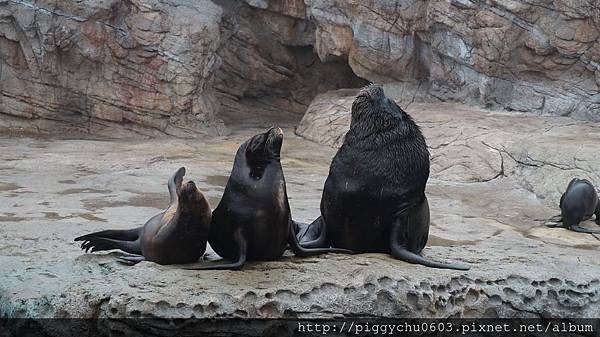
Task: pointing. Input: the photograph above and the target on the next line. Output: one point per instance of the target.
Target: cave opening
(284, 102)
(270, 72)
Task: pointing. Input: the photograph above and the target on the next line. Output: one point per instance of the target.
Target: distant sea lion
(176, 235)
(374, 197)
(579, 203)
(253, 219)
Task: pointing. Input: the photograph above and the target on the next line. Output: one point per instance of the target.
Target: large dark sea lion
(253, 219)
(176, 235)
(374, 197)
(579, 203)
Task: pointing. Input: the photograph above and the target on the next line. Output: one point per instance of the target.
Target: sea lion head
(265, 146)
(371, 104)
(262, 149)
(376, 120)
(189, 194)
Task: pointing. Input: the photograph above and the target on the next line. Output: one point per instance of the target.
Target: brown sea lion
(173, 236)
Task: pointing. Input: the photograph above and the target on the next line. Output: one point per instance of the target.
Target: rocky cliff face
(178, 66)
(105, 66)
(538, 56)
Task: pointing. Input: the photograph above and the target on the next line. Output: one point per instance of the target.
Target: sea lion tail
(405, 255)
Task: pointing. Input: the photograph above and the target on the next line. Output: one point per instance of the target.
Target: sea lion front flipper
(304, 252)
(577, 228)
(236, 265)
(175, 184)
(401, 253)
(312, 235)
(555, 221)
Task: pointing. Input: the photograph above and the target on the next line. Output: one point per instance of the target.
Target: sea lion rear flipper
(312, 235)
(401, 253)
(577, 228)
(116, 234)
(175, 183)
(96, 244)
(304, 252)
(236, 265)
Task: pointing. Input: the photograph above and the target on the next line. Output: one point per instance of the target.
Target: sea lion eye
(256, 172)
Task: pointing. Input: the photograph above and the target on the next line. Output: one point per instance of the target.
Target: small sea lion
(174, 236)
(374, 196)
(577, 204)
(253, 218)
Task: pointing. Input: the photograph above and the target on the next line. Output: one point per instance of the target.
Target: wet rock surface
(495, 181)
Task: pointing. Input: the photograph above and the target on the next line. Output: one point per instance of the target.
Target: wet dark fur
(176, 235)
(376, 185)
(579, 203)
(252, 220)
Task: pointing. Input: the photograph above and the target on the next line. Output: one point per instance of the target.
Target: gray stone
(496, 178)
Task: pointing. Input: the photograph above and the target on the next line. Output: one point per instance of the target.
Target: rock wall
(177, 67)
(538, 56)
(109, 66)
(268, 62)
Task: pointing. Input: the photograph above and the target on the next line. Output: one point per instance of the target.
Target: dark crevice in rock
(270, 71)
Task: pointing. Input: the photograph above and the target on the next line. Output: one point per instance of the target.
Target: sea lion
(579, 203)
(374, 196)
(173, 236)
(253, 218)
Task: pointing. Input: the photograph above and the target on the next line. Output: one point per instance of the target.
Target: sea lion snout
(190, 184)
(189, 190)
(275, 140)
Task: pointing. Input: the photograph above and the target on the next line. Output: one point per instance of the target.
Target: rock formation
(488, 208)
(177, 67)
(92, 65)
